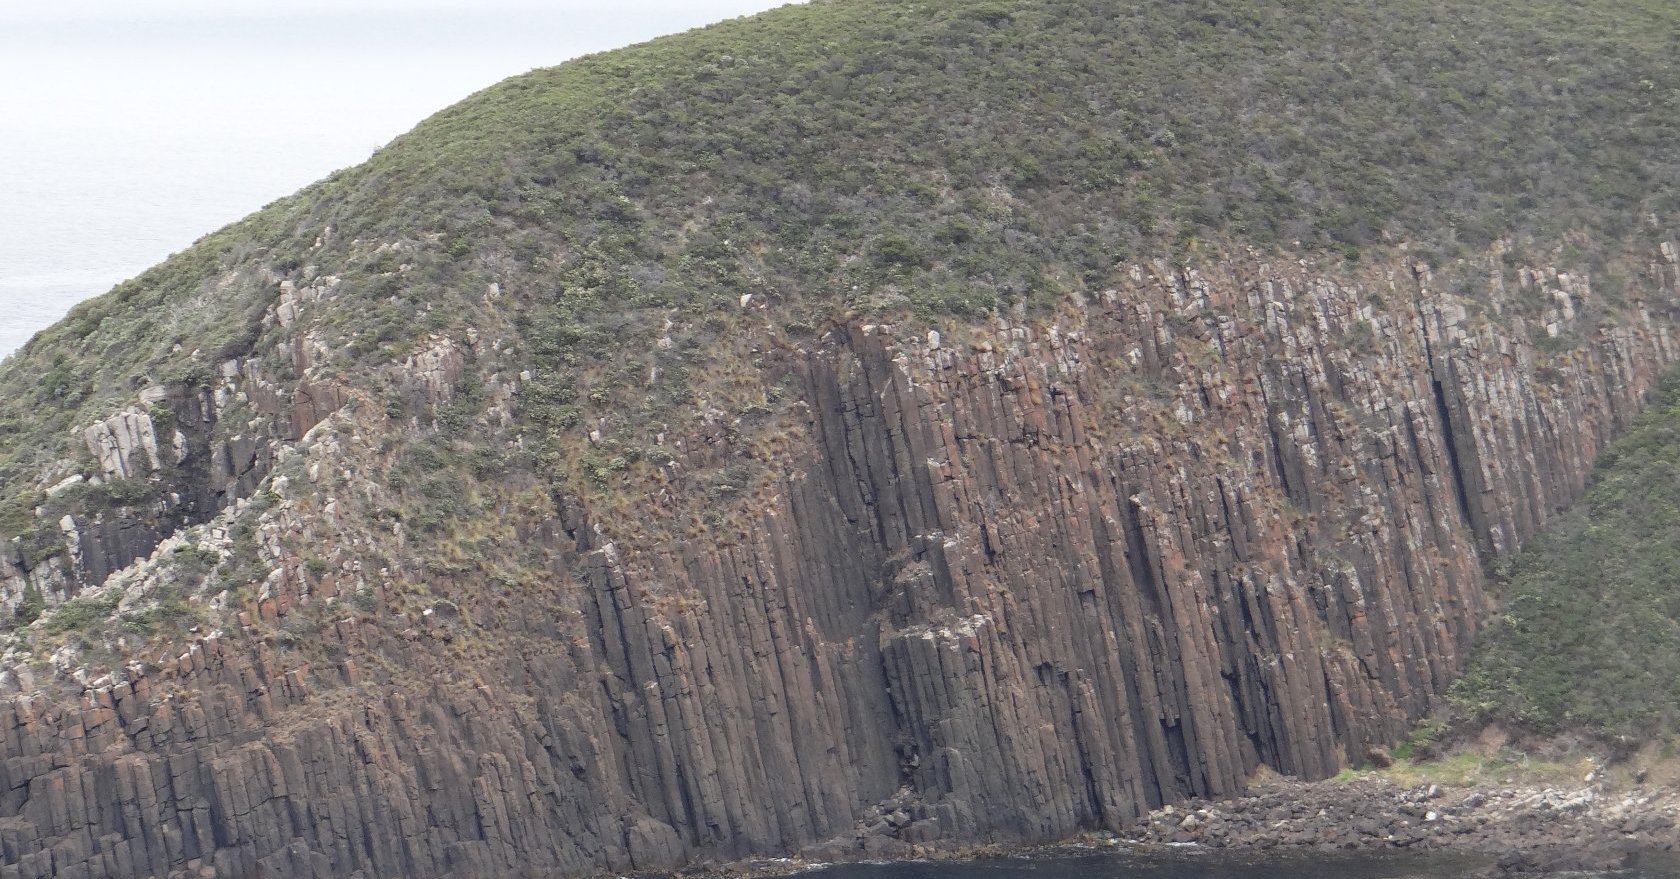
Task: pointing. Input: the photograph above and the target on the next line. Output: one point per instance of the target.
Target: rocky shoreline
(1527, 829)
(1522, 829)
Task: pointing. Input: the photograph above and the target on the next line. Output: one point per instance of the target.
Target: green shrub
(30, 605)
(84, 614)
(1589, 633)
(169, 611)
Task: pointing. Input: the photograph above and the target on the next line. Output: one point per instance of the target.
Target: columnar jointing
(1016, 580)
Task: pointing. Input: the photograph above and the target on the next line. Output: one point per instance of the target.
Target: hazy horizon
(132, 131)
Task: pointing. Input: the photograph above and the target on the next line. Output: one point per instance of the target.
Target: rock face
(1004, 581)
(1529, 830)
(192, 458)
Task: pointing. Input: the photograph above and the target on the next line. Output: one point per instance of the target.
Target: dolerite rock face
(1005, 581)
(176, 440)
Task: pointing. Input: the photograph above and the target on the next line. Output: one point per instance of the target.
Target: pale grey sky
(129, 128)
(307, 26)
(205, 10)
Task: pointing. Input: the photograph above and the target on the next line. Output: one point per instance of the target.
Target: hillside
(1589, 637)
(858, 427)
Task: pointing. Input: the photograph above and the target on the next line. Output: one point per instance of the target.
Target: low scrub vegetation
(618, 219)
(1589, 635)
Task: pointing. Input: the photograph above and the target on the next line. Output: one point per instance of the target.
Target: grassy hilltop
(946, 157)
(862, 157)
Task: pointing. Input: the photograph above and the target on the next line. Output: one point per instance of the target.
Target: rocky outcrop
(1004, 580)
(1525, 829)
(183, 454)
(126, 444)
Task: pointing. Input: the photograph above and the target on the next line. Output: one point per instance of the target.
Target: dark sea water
(1190, 864)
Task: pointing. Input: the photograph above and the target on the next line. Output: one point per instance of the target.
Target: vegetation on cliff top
(1589, 636)
(939, 156)
(863, 156)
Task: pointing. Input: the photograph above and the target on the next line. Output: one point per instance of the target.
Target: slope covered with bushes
(858, 156)
(1589, 634)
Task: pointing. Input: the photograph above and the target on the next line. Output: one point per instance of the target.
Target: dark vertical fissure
(1282, 470)
(1453, 463)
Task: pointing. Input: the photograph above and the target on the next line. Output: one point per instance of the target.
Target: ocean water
(127, 136)
(103, 181)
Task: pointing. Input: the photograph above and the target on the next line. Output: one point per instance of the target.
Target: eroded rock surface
(1002, 581)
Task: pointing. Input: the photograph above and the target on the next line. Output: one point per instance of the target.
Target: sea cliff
(1003, 580)
(858, 428)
